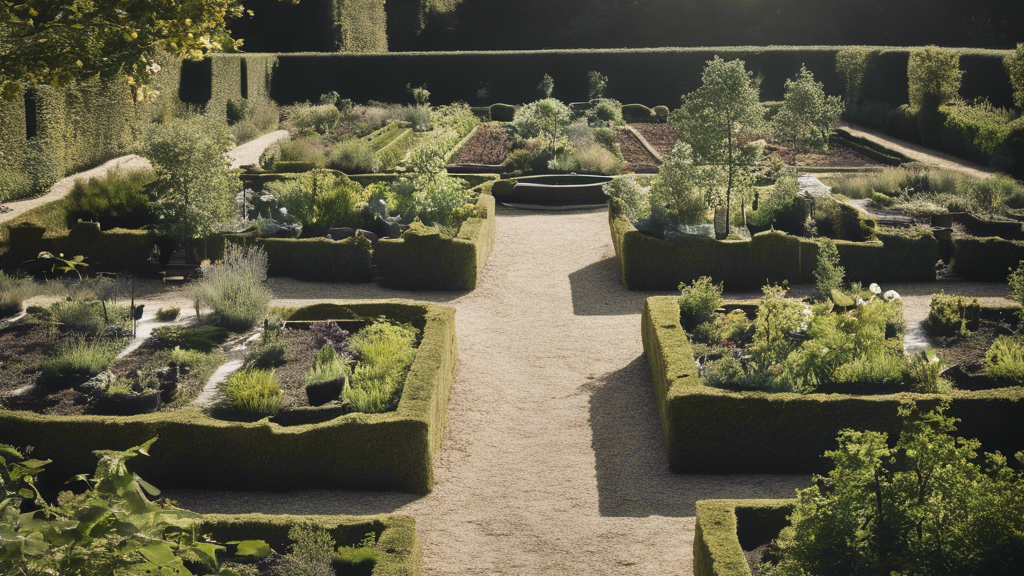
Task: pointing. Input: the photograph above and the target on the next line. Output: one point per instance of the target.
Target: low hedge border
(399, 552)
(390, 451)
(314, 259)
(871, 149)
(710, 430)
(725, 528)
(256, 180)
(647, 263)
(990, 228)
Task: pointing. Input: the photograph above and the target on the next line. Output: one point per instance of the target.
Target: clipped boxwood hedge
(710, 430)
(986, 259)
(725, 528)
(314, 259)
(390, 451)
(398, 548)
(648, 263)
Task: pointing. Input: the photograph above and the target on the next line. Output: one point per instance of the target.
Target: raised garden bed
(392, 450)
(661, 137)
(712, 430)
(555, 191)
(484, 151)
(729, 533)
(638, 158)
(649, 263)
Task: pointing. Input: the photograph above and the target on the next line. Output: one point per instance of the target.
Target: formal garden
(319, 308)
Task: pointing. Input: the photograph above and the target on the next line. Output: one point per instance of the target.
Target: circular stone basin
(557, 191)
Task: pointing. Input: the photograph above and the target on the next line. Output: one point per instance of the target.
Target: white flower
(891, 295)
(153, 68)
(807, 311)
(875, 289)
(861, 302)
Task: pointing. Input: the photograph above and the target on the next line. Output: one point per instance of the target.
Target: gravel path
(248, 153)
(553, 461)
(919, 153)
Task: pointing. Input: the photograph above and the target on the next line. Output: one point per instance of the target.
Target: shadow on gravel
(633, 478)
(597, 291)
(302, 502)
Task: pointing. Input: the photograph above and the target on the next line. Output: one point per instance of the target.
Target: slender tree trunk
(728, 190)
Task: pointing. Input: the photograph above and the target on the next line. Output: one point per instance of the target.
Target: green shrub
(191, 338)
(633, 113)
(828, 274)
(924, 371)
(943, 509)
(807, 116)
(270, 156)
(250, 118)
(311, 553)
(699, 301)
(881, 200)
(14, 290)
(661, 113)
(300, 151)
(252, 394)
(677, 194)
(1016, 282)
(635, 198)
(15, 185)
(266, 357)
(236, 288)
(597, 83)
(458, 117)
(353, 157)
(117, 200)
(75, 362)
(1014, 63)
(385, 352)
(934, 77)
(726, 373)
(319, 200)
(544, 119)
(782, 209)
(310, 119)
(878, 371)
(597, 159)
(169, 314)
(950, 315)
(191, 358)
(1004, 361)
(608, 111)
(502, 112)
(79, 315)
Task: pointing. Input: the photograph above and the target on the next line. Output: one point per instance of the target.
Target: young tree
(934, 77)
(713, 117)
(808, 116)
(58, 42)
(1015, 68)
(196, 187)
(545, 119)
(547, 85)
(828, 274)
(679, 191)
(597, 83)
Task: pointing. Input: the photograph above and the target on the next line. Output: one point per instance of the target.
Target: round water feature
(557, 191)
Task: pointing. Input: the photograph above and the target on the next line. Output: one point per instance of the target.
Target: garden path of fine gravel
(553, 461)
(248, 153)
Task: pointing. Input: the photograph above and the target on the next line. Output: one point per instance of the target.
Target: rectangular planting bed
(649, 263)
(726, 529)
(397, 545)
(301, 447)
(714, 430)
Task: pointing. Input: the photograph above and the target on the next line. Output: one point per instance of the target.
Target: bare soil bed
(490, 145)
(637, 157)
(838, 155)
(661, 137)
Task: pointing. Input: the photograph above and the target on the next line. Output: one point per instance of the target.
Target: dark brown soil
(490, 145)
(637, 157)
(837, 155)
(966, 356)
(661, 137)
(23, 347)
(300, 356)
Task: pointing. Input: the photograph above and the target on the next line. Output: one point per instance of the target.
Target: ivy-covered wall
(314, 26)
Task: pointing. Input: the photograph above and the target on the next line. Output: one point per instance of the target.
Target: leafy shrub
(881, 200)
(563, 163)
(257, 116)
(950, 315)
(545, 119)
(318, 200)
(934, 77)
(360, 558)
(1005, 359)
(698, 302)
(924, 371)
(828, 274)
(597, 83)
(440, 202)
(353, 157)
(75, 362)
(782, 208)
(1015, 69)
(926, 506)
(877, 371)
(14, 185)
(546, 86)
(117, 200)
(169, 314)
(807, 116)
(661, 113)
(311, 553)
(310, 119)
(251, 394)
(385, 352)
(266, 357)
(198, 338)
(419, 118)
(726, 372)
(270, 156)
(606, 137)
(1016, 282)
(14, 290)
(635, 198)
(777, 318)
(608, 111)
(597, 159)
(677, 196)
(458, 117)
(632, 113)
(236, 288)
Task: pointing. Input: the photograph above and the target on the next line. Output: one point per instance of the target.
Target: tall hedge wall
(390, 451)
(711, 430)
(398, 548)
(725, 528)
(986, 259)
(652, 76)
(221, 78)
(647, 263)
(314, 25)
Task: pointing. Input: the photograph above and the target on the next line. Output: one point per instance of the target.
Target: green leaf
(159, 554)
(149, 488)
(257, 548)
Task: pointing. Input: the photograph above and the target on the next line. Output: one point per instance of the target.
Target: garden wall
(314, 25)
(653, 76)
(725, 528)
(986, 259)
(398, 547)
(648, 263)
(389, 451)
(710, 430)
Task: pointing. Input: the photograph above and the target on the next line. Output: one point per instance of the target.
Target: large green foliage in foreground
(923, 507)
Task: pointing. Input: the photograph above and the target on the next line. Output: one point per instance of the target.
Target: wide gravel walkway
(248, 153)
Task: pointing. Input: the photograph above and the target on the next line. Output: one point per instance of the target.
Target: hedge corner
(726, 528)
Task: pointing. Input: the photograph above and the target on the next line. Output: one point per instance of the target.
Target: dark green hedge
(255, 181)
(315, 259)
(980, 228)
(710, 430)
(390, 451)
(986, 259)
(725, 528)
(313, 25)
(647, 263)
(649, 76)
(398, 547)
(427, 261)
(116, 250)
(222, 78)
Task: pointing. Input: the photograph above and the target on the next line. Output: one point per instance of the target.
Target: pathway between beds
(919, 153)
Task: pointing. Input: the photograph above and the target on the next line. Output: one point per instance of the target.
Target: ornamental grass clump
(236, 288)
(75, 362)
(14, 290)
(251, 394)
(385, 352)
(327, 379)
(1004, 361)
